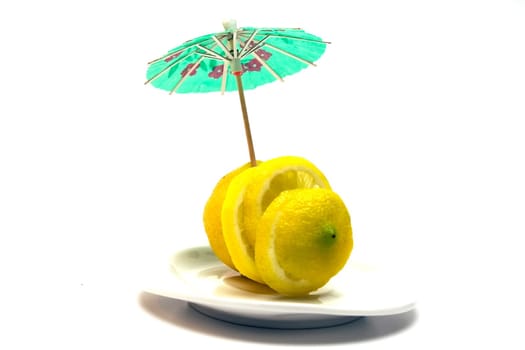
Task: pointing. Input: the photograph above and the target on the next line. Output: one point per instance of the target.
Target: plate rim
(181, 289)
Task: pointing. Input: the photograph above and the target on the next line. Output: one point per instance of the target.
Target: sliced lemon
(212, 216)
(248, 196)
(240, 247)
(304, 238)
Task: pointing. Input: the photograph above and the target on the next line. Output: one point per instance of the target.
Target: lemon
(304, 238)
(241, 249)
(212, 216)
(248, 196)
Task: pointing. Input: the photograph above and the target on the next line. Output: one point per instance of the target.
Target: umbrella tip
(229, 25)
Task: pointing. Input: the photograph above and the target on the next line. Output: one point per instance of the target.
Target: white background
(415, 114)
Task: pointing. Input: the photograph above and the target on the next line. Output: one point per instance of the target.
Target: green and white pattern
(262, 55)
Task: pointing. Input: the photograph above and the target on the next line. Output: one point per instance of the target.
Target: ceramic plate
(210, 287)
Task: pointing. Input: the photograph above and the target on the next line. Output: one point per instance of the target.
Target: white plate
(209, 286)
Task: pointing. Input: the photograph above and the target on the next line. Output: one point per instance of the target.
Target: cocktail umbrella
(236, 59)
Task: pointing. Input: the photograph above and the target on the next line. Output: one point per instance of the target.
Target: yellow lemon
(212, 216)
(241, 249)
(304, 238)
(248, 196)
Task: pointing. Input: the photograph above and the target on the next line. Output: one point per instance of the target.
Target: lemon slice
(212, 216)
(248, 196)
(240, 247)
(304, 239)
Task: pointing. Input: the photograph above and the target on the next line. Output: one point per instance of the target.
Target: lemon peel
(304, 238)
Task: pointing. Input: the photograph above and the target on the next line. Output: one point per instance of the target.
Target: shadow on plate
(181, 314)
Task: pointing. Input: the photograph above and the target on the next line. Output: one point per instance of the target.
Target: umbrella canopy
(215, 62)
